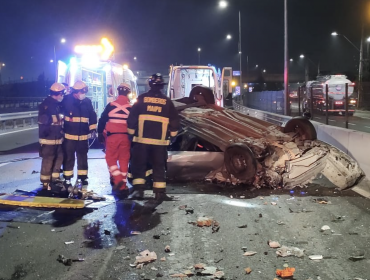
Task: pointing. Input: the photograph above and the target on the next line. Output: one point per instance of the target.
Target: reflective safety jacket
(50, 122)
(114, 117)
(153, 118)
(79, 118)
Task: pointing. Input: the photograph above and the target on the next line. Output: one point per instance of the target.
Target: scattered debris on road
(315, 257)
(146, 257)
(249, 253)
(243, 226)
(69, 242)
(286, 272)
(285, 251)
(135, 232)
(273, 244)
(357, 255)
(167, 249)
(248, 270)
(189, 210)
(68, 261)
(324, 228)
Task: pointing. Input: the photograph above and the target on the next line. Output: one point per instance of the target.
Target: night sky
(164, 32)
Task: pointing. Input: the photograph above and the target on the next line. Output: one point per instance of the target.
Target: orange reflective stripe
(55, 175)
(68, 173)
(173, 133)
(81, 172)
(154, 118)
(117, 121)
(45, 177)
(55, 119)
(149, 141)
(93, 126)
(138, 181)
(50, 142)
(159, 185)
(76, 119)
(77, 137)
(130, 131)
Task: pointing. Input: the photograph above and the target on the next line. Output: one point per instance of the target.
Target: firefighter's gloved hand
(101, 138)
(93, 134)
(173, 140)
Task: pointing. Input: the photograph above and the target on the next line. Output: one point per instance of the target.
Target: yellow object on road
(40, 201)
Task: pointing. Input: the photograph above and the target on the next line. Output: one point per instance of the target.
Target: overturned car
(255, 152)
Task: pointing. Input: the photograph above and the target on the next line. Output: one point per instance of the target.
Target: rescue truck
(316, 90)
(92, 66)
(183, 80)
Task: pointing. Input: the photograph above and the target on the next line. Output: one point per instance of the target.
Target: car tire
(302, 126)
(206, 92)
(240, 162)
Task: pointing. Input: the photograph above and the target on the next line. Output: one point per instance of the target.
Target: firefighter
(117, 144)
(80, 123)
(153, 118)
(51, 138)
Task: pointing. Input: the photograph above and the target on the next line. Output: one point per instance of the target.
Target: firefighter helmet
(156, 80)
(57, 88)
(124, 89)
(80, 86)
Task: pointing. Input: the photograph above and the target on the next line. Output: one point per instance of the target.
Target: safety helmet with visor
(80, 89)
(157, 81)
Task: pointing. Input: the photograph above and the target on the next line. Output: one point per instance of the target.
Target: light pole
(286, 62)
(360, 62)
(1, 66)
(199, 50)
(223, 4)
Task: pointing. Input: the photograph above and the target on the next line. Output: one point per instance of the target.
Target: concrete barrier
(354, 143)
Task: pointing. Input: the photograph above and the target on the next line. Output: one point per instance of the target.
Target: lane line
(10, 132)
(332, 120)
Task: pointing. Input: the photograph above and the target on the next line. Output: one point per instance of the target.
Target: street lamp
(51, 60)
(63, 40)
(264, 70)
(223, 4)
(228, 36)
(291, 60)
(135, 58)
(257, 66)
(360, 63)
(199, 50)
(2, 64)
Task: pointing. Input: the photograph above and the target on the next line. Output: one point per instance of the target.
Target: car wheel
(303, 127)
(240, 161)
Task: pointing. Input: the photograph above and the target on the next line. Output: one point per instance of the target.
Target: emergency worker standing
(153, 118)
(80, 123)
(113, 122)
(51, 138)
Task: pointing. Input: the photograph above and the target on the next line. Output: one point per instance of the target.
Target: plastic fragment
(286, 272)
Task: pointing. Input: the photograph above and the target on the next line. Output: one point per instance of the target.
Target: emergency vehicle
(316, 90)
(182, 79)
(93, 65)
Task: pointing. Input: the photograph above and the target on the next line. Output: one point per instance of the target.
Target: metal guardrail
(17, 120)
(269, 117)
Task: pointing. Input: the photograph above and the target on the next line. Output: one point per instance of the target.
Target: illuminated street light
(3, 64)
(233, 83)
(257, 66)
(291, 59)
(199, 50)
(222, 4)
(301, 56)
(264, 70)
(63, 40)
(228, 37)
(334, 34)
(135, 58)
(51, 60)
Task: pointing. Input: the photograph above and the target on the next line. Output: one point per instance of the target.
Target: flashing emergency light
(125, 66)
(104, 50)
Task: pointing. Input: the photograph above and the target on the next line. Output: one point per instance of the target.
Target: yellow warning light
(233, 83)
(104, 50)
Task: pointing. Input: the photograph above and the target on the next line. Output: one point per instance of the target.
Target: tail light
(339, 102)
(352, 101)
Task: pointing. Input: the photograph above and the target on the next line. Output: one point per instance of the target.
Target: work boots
(136, 195)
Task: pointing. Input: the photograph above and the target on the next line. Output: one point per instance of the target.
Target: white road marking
(366, 126)
(317, 118)
(332, 120)
(2, 164)
(351, 124)
(16, 131)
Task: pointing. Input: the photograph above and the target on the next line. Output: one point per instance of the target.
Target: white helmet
(80, 86)
(124, 88)
(57, 88)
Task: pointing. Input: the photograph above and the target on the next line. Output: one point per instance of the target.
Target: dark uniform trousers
(80, 148)
(52, 159)
(156, 155)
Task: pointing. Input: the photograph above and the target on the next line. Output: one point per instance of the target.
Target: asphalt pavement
(107, 239)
